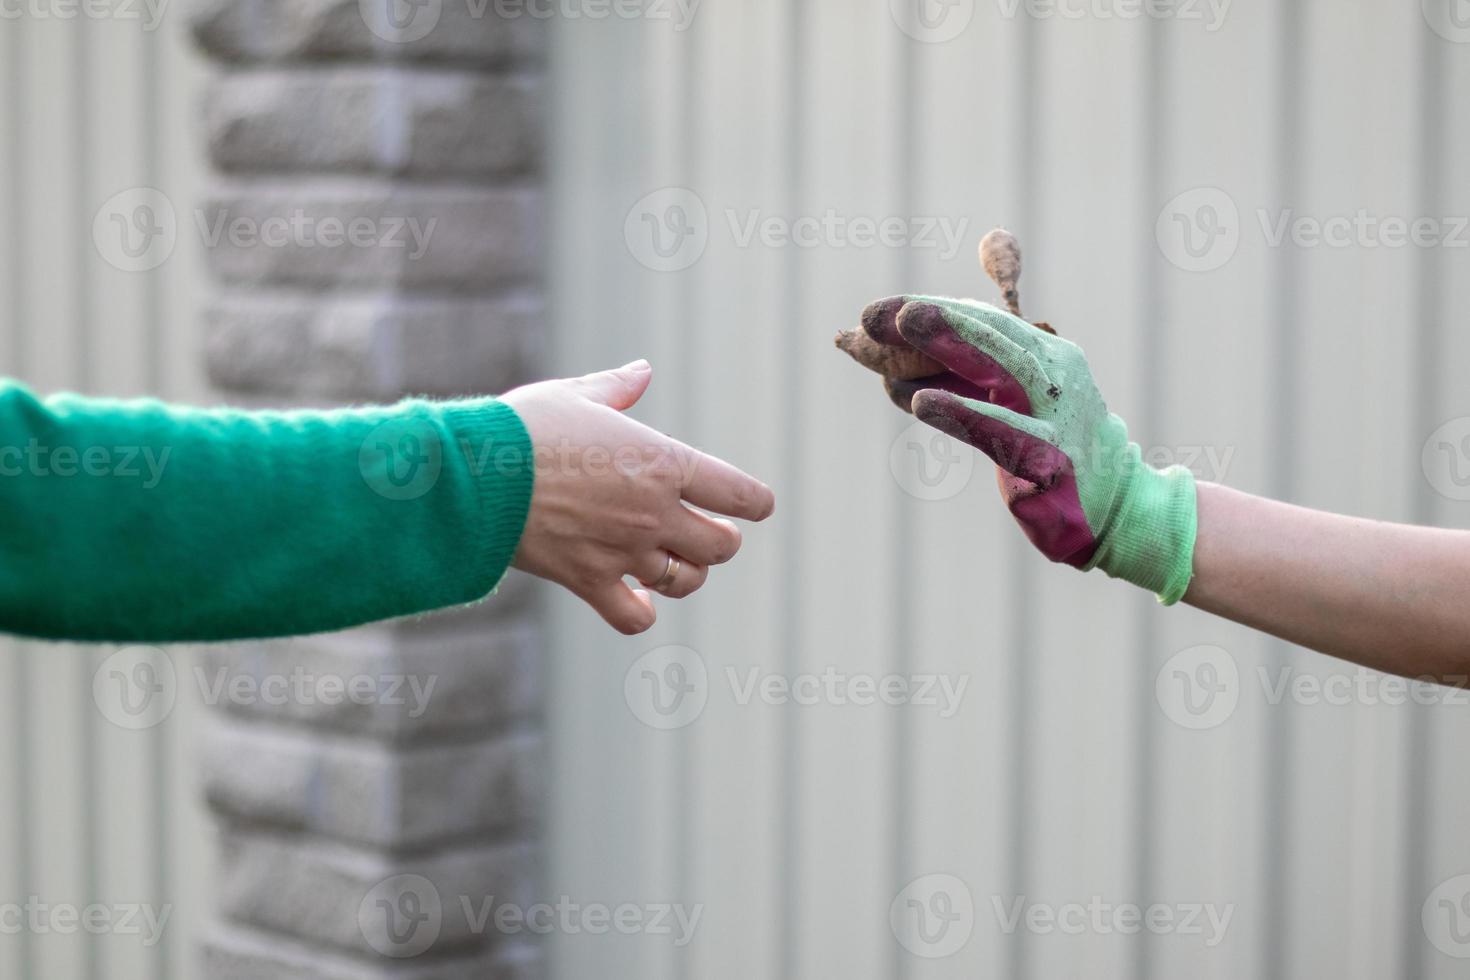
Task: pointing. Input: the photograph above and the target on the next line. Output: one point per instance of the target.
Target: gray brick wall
(373, 229)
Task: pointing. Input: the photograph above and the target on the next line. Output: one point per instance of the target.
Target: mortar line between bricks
(368, 60)
(294, 185)
(231, 291)
(286, 946)
(511, 838)
(286, 727)
(526, 75)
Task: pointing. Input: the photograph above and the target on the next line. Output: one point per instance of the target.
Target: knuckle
(644, 522)
(664, 471)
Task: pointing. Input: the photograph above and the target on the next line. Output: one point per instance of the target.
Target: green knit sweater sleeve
(142, 522)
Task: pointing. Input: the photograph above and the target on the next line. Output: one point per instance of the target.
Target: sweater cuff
(501, 462)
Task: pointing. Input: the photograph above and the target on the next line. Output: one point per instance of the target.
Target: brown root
(1000, 255)
(901, 363)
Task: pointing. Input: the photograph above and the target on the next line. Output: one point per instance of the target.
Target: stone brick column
(373, 230)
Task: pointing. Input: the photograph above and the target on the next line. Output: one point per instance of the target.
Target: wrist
(495, 444)
(1149, 537)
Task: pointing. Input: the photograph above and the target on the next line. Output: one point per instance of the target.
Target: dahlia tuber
(877, 346)
(1000, 255)
(902, 363)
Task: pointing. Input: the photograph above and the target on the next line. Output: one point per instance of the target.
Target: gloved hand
(1072, 479)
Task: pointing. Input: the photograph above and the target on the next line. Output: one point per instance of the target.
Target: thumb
(619, 388)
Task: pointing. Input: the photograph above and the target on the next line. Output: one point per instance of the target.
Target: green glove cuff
(1149, 537)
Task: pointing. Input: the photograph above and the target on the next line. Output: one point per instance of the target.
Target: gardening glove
(1068, 472)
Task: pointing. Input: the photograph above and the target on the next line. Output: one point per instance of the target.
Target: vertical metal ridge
(1151, 303)
(686, 121)
(1282, 375)
(786, 592)
(1018, 551)
(19, 651)
(905, 555)
(1428, 310)
(161, 737)
(84, 379)
(149, 123)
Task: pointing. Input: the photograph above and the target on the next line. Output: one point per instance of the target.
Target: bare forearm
(1389, 596)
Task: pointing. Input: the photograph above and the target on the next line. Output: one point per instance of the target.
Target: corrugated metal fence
(720, 180)
(96, 103)
(721, 183)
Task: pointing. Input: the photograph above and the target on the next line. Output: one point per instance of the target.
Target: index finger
(714, 485)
